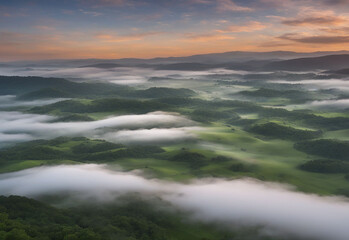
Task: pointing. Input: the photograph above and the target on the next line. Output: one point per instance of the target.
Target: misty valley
(209, 147)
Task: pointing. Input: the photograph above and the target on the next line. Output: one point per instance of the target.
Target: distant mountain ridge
(103, 65)
(329, 62)
(211, 58)
(344, 71)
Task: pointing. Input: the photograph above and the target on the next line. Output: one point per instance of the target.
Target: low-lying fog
(331, 104)
(119, 75)
(145, 128)
(327, 105)
(7, 101)
(245, 201)
(340, 84)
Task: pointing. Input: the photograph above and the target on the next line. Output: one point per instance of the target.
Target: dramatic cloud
(13, 125)
(110, 29)
(236, 202)
(316, 20)
(320, 39)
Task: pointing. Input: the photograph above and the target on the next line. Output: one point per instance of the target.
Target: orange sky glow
(146, 29)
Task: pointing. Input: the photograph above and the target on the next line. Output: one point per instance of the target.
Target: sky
(71, 29)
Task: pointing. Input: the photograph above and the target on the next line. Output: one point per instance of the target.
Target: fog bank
(336, 104)
(154, 135)
(118, 75)
(342, 85)
(141, 128)
(245, 201)
(7, 101)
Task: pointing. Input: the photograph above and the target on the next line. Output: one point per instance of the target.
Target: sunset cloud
(247, 27)
(316, 20)
(312, 17)
(146, 29)
(126, 37)
(229, 5)
(341, 30)
(44, 28)
(208, 37)
(320, 39)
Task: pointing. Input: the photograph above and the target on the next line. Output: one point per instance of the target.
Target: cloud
(331, 104)
(120, 75)
(275, 3)
(251, 26)
(316, 20)
(207, 37)
(342, 85)
(230, 6)
(341, 30)
(200, 1)
(42, 126)
(272, 44)
(248, 202)
(105, 3)
(7, 101)
(7, 139)
(154, 135)
(309, 16)
(44, 28)
(274, 206)
(91, 13)
(336, 2)
(112, 38)
(319, 39)
(89, 180)
(296, 4)
(112, 2)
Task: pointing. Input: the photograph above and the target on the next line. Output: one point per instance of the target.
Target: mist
(339, 84)
(118, 75)
(327, 105)
(154, 135)
(17, 126)
(337, 104)
(248, 202)
(7, 101)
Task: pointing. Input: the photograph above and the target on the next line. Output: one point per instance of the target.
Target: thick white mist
(232, 202)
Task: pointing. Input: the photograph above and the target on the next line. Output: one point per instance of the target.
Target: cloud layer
(232, 202)
(16, 126)
(119, 75)
(7, 101)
